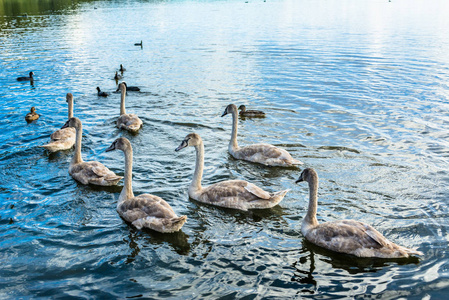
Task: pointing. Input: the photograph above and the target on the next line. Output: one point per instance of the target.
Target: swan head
(121, 143)
(229, 109)
(307, 175)
(69, 97)
(72, 122)
(192, 139)
(242, 108)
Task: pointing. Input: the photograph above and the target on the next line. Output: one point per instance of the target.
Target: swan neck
(310, 218)
(127, 191)
(233, 142)
(70, 109)
(198, 175)
(122, 102)
(79, 135)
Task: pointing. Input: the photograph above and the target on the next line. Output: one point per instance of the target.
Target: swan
(250, 113)
(346, 236)
(88, 172)
(237, 194)
(265, 154)
(32, 115)
(63, 139)
(144, 210)
(130, 122)
(30, 78)
(129, 88)
(100, 93)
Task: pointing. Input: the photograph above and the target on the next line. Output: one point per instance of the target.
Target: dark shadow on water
(256, 215)
(177, 240)
(111, 189)
(305, 266)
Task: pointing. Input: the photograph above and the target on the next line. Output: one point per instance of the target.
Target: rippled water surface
(358, 90)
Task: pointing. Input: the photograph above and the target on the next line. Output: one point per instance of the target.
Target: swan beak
(111, 148)
(225, 112)
(65, 125)
(183, 145)
(300, 179)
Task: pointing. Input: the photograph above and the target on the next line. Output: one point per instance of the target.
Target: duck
(250, 113)
(139, 44)
(88, 172)
(122, 69)
(264, 154)
(63, 139)
(236, 194)
(145, 210)
(100, 93)
(25, 78)
(130, 122)
(117, 76)
(346, 236)
(129, 88)
(32, 115)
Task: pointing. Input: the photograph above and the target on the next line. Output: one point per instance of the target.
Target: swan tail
(176, 223)
(55, 146)
(297, 162)
(133, 128)
(412, 252)
(276, 197)
(112, 180)
(280, 195)
(47, 146)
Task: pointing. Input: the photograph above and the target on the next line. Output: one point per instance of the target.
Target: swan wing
(347, 236)
(151, 212)
(266, 154)
(62, 139)
(231, 194)
(129, 121)
(260, 150)
(102, 171)
(145, 205)
(63, 134)
(93, 172)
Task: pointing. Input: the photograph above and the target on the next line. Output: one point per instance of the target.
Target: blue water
(358, 90)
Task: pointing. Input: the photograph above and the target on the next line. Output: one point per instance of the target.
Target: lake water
(358, 90)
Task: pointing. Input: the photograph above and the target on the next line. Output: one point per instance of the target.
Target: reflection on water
(25, 8)
(355, 89)
(338, 267)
